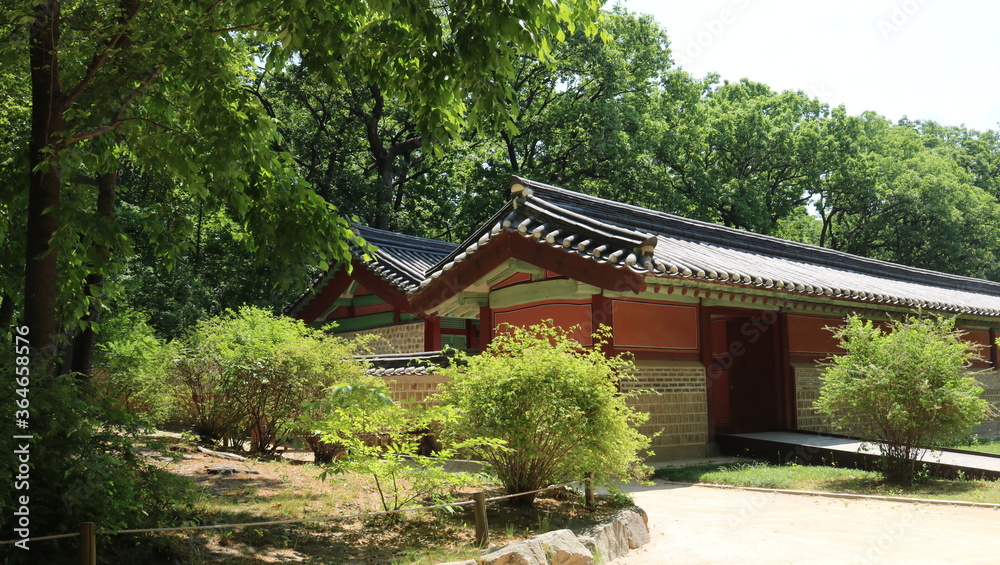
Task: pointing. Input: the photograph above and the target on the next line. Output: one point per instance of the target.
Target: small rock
(221, 470)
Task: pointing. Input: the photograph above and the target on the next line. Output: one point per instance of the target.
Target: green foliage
(904, 389)
(382, 440)
(555, 404)
(249, 373)
(83, 468)
(131, 368)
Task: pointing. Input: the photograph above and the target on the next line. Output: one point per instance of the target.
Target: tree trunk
(6, 315)
(44, 183)
(84, 343)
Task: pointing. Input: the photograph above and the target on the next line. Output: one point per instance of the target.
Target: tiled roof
(425, 363)
(402, 260)
(664, 245)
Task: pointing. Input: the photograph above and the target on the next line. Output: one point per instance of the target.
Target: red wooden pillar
(785, 374)
(993, 349)
(485, 327)
(705, 352)
(432, 333)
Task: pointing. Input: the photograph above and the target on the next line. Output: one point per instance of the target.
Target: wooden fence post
(482, 527)
(588, 491)
(88, 544)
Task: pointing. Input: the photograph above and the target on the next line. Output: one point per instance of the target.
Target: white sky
(924, 59)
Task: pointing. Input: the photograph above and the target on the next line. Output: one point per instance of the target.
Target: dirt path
(699, 525)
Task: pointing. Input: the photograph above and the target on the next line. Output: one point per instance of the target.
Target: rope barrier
(290, 521)
(41, 538)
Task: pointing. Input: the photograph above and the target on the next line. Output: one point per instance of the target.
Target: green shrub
(381, 439)
(130, 368)
(249, 374)
(904, 389)
(554, 403)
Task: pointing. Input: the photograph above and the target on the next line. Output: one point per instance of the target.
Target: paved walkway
(965, 460)
(706, 526)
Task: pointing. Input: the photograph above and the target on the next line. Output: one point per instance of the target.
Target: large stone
(527, 552)
(634, 527)
(606, 540)
(466, 562)
(626, 530)
(563, 548)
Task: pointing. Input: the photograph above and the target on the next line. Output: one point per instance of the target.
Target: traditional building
(726, 325)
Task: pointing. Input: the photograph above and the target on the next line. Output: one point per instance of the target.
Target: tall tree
(166, 81)
(742, 155)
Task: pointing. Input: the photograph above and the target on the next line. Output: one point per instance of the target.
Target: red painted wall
(807, 335)
(653, 325)
(565, 313)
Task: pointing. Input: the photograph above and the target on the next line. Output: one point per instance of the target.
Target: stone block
(527, 552)
(563, 548)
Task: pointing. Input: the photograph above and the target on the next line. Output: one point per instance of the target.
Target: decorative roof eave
(798, 289)
(317, 286)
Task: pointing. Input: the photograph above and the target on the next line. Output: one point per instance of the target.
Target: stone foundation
(677, 405)
(808, 380)
(990, 381)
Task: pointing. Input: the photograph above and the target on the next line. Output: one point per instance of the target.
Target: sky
(924, 59)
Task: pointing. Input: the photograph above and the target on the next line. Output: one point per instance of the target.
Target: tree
(741, 154)
(554, 403)
(381, 439)
(904, 388)
(887, 195)
(164, 85)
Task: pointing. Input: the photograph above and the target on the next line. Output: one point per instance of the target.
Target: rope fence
(88, 532)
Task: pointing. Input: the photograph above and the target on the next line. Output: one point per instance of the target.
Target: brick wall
(679, 412)
(402, 338)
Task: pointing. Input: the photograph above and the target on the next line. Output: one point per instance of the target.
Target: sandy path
(699, 525)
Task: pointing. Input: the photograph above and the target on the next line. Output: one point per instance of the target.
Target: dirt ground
(702, 526)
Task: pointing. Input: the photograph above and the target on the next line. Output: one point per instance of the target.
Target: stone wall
(679, 412)
(990, 381)
(413, 388)
(402, 338)
(809, 379)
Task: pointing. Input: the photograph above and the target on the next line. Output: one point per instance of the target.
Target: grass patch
(830, 479)
(989, 445)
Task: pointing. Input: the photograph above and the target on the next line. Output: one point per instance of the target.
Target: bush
(903, 389)
(554, 403)
(249, 374)
(131, 366)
